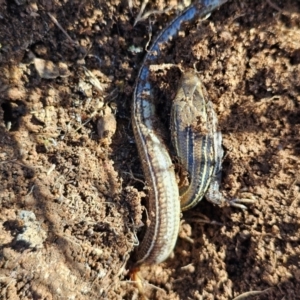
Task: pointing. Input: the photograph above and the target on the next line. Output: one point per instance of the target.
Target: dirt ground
(72, 191)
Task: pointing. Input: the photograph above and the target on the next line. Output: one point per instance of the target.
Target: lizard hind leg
(214, 195)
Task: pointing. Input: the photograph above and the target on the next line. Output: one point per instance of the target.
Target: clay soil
(72, 192)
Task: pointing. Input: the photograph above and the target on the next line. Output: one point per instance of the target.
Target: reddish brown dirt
(70, 194)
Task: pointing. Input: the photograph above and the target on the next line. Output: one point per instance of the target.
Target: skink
(163, 199)
(198, 144)
(197, 141)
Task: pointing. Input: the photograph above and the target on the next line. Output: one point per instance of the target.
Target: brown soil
(71, 181)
